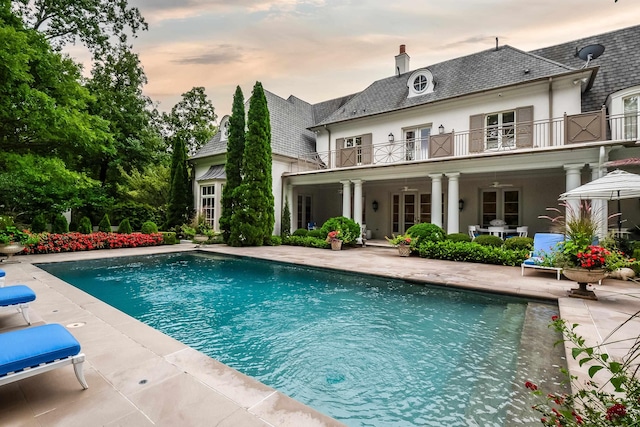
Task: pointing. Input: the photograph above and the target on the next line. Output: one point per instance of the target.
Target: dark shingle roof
(619, 64)
(290, 137)
(489, 69)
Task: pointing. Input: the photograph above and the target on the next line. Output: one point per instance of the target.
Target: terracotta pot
(404, 250)
(336, 245)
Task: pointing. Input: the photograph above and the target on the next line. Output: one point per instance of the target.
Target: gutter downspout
(550, 111)
(329, 144)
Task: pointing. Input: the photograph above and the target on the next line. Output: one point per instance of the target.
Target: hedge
(472, 252)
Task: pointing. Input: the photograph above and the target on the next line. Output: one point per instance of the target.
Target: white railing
(572, 129)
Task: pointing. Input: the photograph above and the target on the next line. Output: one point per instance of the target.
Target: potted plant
(13, 240)
(581, 260)
(333, 237)
(402, 242)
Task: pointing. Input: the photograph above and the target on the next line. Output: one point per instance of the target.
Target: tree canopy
(96, 23)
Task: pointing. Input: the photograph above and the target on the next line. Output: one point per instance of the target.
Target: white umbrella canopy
(615, 185)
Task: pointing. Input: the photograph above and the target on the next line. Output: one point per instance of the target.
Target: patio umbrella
(615, 185)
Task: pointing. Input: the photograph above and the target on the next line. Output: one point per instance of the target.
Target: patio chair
(17, 297)
(474, 231)
(522, 231)
(497, 231)
(32, 351)
(543, 243)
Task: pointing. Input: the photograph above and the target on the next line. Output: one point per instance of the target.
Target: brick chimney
(402, 61)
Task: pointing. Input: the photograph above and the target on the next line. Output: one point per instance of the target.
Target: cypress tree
(180, 197)
(233, 165)
(285, 224)
(253, 217)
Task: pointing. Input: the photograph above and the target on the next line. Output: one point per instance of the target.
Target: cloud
(221, 54)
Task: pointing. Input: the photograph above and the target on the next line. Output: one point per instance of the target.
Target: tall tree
(43, 107)
(96, 23)
(253, 219)
(180, 205)
(233, 165)
(117, 81)
(192, 119)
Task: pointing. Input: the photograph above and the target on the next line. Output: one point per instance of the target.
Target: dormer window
(420, 82)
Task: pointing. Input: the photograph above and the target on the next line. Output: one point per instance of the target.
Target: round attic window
(420, 82)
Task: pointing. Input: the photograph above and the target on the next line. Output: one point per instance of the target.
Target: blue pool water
(365, 350)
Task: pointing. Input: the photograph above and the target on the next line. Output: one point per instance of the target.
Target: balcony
(570, 129)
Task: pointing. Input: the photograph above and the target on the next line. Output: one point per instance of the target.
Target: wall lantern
(374, 205)
(391, 137)
(460, 205)
(441, 129)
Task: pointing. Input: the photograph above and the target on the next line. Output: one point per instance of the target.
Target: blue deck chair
(32, 351)
(18, 297)
(543, 243)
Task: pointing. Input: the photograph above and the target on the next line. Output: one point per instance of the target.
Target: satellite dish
(590, 52)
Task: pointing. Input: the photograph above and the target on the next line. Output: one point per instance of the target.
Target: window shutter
(476, 133)
(367, 148)
(524, 127)
(339, 147)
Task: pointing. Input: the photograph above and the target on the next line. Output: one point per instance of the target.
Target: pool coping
(169, 366)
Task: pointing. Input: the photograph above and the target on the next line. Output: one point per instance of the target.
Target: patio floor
(139, 376)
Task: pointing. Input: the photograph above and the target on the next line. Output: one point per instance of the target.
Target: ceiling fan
(496, 184)
(406, 188)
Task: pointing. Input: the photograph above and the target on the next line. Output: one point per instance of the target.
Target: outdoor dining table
(506, 231)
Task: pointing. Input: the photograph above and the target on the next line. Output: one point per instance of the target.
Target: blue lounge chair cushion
(30, 347)
(18, 294)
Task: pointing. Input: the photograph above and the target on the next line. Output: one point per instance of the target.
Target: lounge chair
(18, 297)
(32, 351)
(543, 243)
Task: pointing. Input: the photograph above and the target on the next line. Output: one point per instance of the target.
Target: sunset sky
(322, 49)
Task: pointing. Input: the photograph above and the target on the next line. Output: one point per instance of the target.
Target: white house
(498, 134)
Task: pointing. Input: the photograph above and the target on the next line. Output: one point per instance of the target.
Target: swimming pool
(364, 350)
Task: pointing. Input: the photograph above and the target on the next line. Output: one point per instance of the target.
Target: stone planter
(336, 245)
(583, 277)
(404, 250)
(199, 239)
(10, 249)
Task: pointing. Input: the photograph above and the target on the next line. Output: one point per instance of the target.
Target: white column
(288, 197)
(453, 195)
(436, 199)
(572, 180)
(346, 198)
(357, 201)
(599, 208)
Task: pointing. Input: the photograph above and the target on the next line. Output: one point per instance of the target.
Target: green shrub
(519, 243)
(310, 242)
(274, 241)
(39, 224)
(301, 232)
(472, 252)
(317, 233)
(84, 226)
(149, 227)
(426, 232)
(488, 240)
(105, 225)
(125, 227)
(348, 228)
(60, 225)
(137, 213)
(187, 231)
(459, 237)
(168, 237)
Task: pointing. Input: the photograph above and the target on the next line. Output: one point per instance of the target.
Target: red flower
(554, 318)
(616, 411)
(530, 385)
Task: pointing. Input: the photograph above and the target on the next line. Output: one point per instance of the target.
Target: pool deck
(140, 377)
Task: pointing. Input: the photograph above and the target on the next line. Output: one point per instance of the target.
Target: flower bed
(70, 242)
